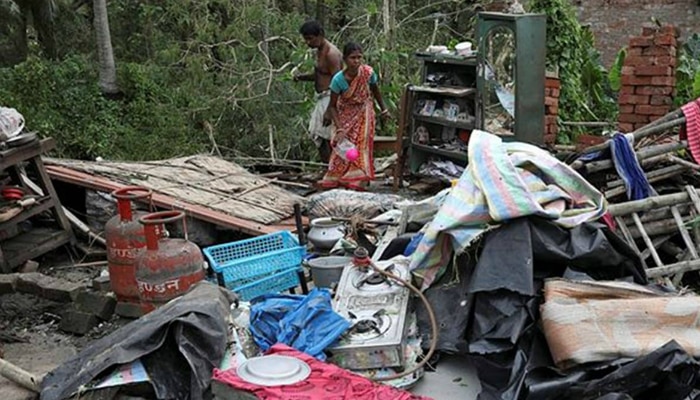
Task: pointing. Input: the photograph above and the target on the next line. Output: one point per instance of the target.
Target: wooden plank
(28, 213)
(686, 239)
(647, 240)
(45, 183)
(33, 244)
(16, 155)
(205, 214)
(630, 240)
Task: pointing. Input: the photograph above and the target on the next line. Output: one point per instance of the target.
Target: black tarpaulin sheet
(179, 344)
(500, 330)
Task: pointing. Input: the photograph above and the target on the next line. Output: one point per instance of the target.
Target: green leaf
(615, 76)
(696, 84)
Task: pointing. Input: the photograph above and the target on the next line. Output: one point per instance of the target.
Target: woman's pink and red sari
(355, 109)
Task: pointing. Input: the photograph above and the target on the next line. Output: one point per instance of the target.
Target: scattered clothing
(307, 323)
(691, 130)
(503, 181)
(356, 114)
(326, 382)
(627, 166)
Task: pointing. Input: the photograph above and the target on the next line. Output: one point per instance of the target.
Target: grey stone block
(77, 322)
(129, 310)
(102, 284)
(99, 304)
(47, 287)
(7, 283)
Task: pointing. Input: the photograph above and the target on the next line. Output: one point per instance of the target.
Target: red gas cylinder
(125, 237)
(168, 267)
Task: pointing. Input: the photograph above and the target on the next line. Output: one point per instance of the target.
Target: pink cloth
(691, 111)
(326, 382)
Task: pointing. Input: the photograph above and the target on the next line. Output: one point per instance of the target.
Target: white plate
(273, 370)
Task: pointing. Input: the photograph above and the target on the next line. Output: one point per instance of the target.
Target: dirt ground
(29, 334)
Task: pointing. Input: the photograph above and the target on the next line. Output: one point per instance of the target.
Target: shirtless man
(329, 60)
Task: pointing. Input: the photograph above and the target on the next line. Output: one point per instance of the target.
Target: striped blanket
(503, 181)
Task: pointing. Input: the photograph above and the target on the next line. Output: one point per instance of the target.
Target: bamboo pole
(674, 269)
(642, 154)
(670, 120)
(651, 175)
(654, 176)
(648, 204)
(19, 376)
(683, 162)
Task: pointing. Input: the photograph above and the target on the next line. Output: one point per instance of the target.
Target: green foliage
(688, 71)
(615, 75)
(585, 93)
(198, 72)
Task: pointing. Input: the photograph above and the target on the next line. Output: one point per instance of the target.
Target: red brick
(554, 129)
(627, 109)
(552, 83)
(649, 31)
(553, 110)
(550, 138)
(555, 93)
(547, 92)
(663, 81)
(653, 90)
(653, 71)
(661, 100)
(550, 119)
(635, 80)
(640, 125)
(550, 101)
(633, 51)
(665, 60)
(633, 61)
(659, 51)
(625, 127)
(633, 99)
(628, 70)
(633, 118)
(651, 110)
(641, 41)
(665, 40)
(627, 90)
(670, 30)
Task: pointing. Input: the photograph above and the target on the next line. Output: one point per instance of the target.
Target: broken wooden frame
(674, 212)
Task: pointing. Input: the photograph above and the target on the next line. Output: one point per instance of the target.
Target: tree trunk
(320, 11)
(105, 54)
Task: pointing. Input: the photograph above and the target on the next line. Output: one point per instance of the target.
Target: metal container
(168, 267)
(325, 233)
(326, 271)
(125, 238)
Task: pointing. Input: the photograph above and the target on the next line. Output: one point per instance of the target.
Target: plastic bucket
(326, 271)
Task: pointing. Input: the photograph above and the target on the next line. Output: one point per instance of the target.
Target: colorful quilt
(503, 181)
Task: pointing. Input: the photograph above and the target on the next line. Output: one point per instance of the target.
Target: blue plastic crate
(275, 283)
(246, 261)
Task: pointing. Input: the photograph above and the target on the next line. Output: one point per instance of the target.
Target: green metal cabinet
(511, 67)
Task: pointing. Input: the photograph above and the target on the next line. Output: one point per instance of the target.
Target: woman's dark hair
(350, 48)
(311, 28)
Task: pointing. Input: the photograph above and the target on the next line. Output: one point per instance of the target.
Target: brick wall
(648, 77)
(551, 102)
(614, 21)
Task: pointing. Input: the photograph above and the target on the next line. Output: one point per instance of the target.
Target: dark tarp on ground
(179, 344)
(498, 328)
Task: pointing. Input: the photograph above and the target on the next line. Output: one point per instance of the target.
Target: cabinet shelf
(28, 213)
(447, 59)
(466, 125)
(32, 244)
(454, 91)
(455, 155)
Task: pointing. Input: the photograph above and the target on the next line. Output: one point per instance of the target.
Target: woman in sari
(351, 109)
